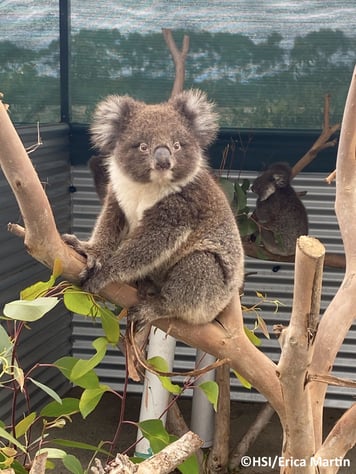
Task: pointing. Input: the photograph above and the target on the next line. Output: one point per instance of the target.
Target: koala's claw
(137, 318)
(75, 243)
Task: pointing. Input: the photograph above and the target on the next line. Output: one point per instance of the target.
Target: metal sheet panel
(49, 338)
(274, 280)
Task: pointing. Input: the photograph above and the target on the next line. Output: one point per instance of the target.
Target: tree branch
(322, 142)
(297, 348)
(179, 58)
(340, 314)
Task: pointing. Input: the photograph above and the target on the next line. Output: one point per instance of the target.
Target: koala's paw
(93, 278)
(139, 316)
(78, 245)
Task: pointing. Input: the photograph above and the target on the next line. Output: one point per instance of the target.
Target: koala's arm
(162, 231)
(106, 235)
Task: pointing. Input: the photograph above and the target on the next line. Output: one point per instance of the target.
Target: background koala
(279, 211)
(165, 225)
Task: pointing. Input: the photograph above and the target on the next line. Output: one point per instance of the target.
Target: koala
(279, 211)
(165, 225)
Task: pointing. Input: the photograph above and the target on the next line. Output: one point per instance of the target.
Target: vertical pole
(64, 59)
(202, 420)
(155, 398)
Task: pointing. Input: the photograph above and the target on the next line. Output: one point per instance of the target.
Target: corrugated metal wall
(275, 280)
(49, 338)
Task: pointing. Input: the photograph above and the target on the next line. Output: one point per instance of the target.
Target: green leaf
(68, 407)
(22, 426)
(52, 453)
(90, 399)
(25, 310)
(156, 434)
(241, 197)
(190, 465)
(243, 381)
(263, 326)
(84, 366)
(47, 390)
(252, 336)
(110, 325)
(245, 185)
(72, 464)
(228, 187)
(211, 391)
(246, 225)
(80, 302)
(66, 365)
(67, 443)
(4, 434)
(6, 345)
(161, 365)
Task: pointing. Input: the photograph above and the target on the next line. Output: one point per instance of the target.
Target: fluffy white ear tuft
(199, 112)
(110, 119)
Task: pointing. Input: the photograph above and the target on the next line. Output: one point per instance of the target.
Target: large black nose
(162, 158)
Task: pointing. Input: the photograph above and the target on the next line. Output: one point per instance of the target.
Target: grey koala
(165, 225)
(279, 211)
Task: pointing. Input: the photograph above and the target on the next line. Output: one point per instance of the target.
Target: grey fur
(279, 211)
(165, 225)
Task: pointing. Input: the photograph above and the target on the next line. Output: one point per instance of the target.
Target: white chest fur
(135, 197)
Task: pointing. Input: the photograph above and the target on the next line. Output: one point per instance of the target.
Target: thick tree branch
(297, 346)
(340, 314)
(340, 440)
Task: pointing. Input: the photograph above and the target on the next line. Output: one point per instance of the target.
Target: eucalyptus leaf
(66, 365)
(80, 302)
(228, 187)
(6, 345)
(72, 463)
(110, 325)
(90, 399)
(161, 365)
(243, 381)
(68, 443)
(23, 426)
(211, 391)
(156, 434)
(252, 336)
(84, 366)
(47, 390)
(29, 310)
(67, 407)
(5, 435)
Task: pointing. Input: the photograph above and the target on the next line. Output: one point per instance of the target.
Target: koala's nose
(162, 158)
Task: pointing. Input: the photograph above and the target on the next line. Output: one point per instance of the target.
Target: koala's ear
(194, 106)
(110, 119)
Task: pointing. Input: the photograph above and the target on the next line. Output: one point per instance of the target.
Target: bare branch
(297, 348)
(321, 143)
(339, 315)
(340, 440)
(219, 454)
(250, 437)
(179, 58)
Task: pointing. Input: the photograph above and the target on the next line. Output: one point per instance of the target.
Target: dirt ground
(101, 425)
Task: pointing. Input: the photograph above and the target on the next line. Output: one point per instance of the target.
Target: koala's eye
(143, 147)
(176, 146)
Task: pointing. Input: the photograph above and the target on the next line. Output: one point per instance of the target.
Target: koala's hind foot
(195, 291)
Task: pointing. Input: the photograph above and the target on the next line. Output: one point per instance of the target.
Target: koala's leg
(195, 291)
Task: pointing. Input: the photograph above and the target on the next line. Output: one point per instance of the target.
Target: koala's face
(155, 143)
(277, 176)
